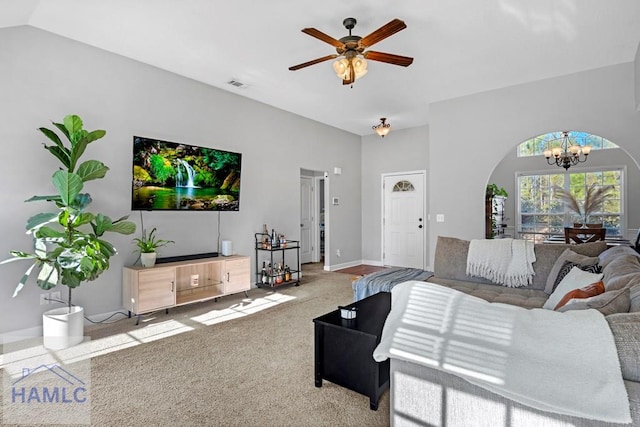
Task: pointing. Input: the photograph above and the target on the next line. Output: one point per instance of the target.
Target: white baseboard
(36, 331)
(380, 264)
(19, 335)
(335, 267)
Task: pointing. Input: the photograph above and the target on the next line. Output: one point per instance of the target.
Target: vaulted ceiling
(460, 47)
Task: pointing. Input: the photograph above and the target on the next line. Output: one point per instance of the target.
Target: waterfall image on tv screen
(175, 176)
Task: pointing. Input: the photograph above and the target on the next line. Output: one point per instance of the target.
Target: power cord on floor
(103, 321)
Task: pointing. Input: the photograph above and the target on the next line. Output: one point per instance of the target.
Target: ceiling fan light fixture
(382, 128)
(343, 70)
(359, 65)
(350, 63)
(341, 67)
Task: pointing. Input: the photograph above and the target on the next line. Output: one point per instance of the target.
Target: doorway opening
(314, 217)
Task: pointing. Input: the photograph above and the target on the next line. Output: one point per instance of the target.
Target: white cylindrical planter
(61, 328)
(148, 259)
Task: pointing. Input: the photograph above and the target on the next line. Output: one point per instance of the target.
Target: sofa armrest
(626, 334)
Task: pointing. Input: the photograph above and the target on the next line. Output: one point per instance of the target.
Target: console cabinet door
(237, 275)
(156, 289)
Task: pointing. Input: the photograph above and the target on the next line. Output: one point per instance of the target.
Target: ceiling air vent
(238, 84)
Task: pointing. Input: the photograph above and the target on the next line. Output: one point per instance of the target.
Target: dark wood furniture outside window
(584, 235)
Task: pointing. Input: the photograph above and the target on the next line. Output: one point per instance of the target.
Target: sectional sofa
(425, 396)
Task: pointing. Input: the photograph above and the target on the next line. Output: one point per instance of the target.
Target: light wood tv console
(173, 284)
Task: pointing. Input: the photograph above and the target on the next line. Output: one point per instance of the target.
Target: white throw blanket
(565, 363)
(508, 262)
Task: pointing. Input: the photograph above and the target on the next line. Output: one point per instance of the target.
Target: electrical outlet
(338, 253)
(195, 279)
(44, 298)
(56, 297)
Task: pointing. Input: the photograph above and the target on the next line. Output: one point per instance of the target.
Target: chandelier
(567, 154)
(382, 128)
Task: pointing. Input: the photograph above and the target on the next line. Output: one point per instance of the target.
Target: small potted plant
(148, 245)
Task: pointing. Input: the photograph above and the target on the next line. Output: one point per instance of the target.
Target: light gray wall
(504, 175)
(637, 77)
(479, 130)
(44, 77)
(400, 151)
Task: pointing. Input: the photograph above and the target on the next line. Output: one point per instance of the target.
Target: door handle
(420, 219)
(420, 226)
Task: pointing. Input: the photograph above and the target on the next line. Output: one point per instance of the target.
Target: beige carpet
(189, 368)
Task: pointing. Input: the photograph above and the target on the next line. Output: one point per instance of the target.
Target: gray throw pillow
(571, 256)
(607, 303)
(614, 252)
(620, 272)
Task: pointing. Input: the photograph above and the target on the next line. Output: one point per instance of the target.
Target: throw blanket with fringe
(508, 262)
(566, 363)
(385, 280)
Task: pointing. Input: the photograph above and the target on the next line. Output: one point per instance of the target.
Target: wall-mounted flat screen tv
(177, 176)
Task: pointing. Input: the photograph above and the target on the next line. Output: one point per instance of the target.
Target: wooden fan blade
(389, 58)
(313, 62)
(383, 32)
(322, 36)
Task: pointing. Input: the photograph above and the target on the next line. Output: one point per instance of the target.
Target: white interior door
(306, 219)
(404, 225)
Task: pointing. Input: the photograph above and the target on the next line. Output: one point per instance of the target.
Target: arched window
(403, 186)
(536, 146)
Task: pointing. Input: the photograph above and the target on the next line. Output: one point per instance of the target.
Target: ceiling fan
(352, 48)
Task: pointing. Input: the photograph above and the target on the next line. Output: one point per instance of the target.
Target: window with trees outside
(540, 214)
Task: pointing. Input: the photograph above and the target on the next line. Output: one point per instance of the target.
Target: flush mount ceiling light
(352, 58)
(567, 154)
(382, 128)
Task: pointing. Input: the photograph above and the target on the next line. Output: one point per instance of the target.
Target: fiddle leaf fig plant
(68, 243)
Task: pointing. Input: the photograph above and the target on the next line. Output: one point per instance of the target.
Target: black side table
(344, 348)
